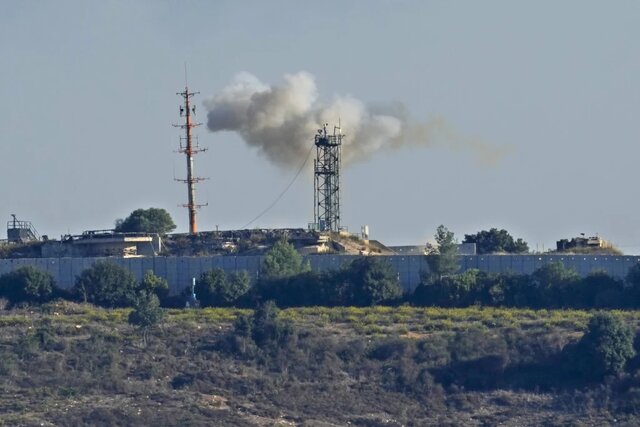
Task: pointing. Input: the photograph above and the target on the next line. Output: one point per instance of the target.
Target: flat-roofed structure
(104, 243)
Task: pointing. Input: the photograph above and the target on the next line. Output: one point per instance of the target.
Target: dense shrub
(146, 311)
(603, 350)
(458, 290)
(215, 288)
(267, 330)
(363, 282)
(154, 284)
(27, 284)
(599, 290)
(107, 284)
(301, 290)
(550, 287)
(263, 332)
(372, 281)
(281, 262)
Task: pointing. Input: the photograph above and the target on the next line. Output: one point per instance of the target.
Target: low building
(582, 242)
(104, 243)
(463, 249)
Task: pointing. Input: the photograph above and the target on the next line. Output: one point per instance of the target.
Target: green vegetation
(372, 281)
(107, 284)
(215, 288)
(152, 220)
(551, 286)
(604, 349)
(443, 258)
(154, 284)
(363, 281)
(27, 285)
(75, 364)
(146, 313)
(496, 241)
(282, 261)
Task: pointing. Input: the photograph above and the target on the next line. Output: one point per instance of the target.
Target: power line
(268, 208)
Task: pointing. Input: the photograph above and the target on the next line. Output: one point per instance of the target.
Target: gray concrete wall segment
(494, 264)
(207, 263)
(47, 265)
(5, 266)
(171, 266)
(179, 270)
(217, 262)
(229, 263)
(137, 266)
(184, 277)
(465, 263)
(241, 263)
(66, 272)
(618, 266)
(203, 265)
(415, 270)
(160, 267)
(581, 265)
(628, 263)
(193, 268)
(147, 264)
(516, 263)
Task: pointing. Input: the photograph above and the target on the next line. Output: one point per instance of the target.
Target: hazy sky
(88, 99)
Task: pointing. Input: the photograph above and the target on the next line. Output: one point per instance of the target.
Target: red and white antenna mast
(189, 148)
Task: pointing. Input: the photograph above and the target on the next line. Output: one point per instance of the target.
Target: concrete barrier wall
(179, 271)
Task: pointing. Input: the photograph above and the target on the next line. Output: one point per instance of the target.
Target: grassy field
(379, 321)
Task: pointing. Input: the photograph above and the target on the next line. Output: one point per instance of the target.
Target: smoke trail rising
(280, 122)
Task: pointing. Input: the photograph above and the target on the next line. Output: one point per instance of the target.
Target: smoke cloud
(281, 121)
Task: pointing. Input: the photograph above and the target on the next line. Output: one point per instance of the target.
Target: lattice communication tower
(189, 148)
(326, 167)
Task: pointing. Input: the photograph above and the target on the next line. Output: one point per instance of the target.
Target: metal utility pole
(188, 147)
(326, 168)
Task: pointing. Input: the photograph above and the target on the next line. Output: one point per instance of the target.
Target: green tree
(107, 284)
(282, 261)
(552, 285)
(456, 290)
(599, 290)
(216, 288)
(443, 258)
(146, 312)
(152, 220)
(154, 284)
(267, 329)
(604, 349)
(27, 284)
(372, 281)
(495, 241)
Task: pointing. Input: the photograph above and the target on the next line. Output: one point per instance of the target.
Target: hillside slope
(68, 364)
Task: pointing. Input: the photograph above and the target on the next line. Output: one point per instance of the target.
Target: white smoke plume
(281, 121)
